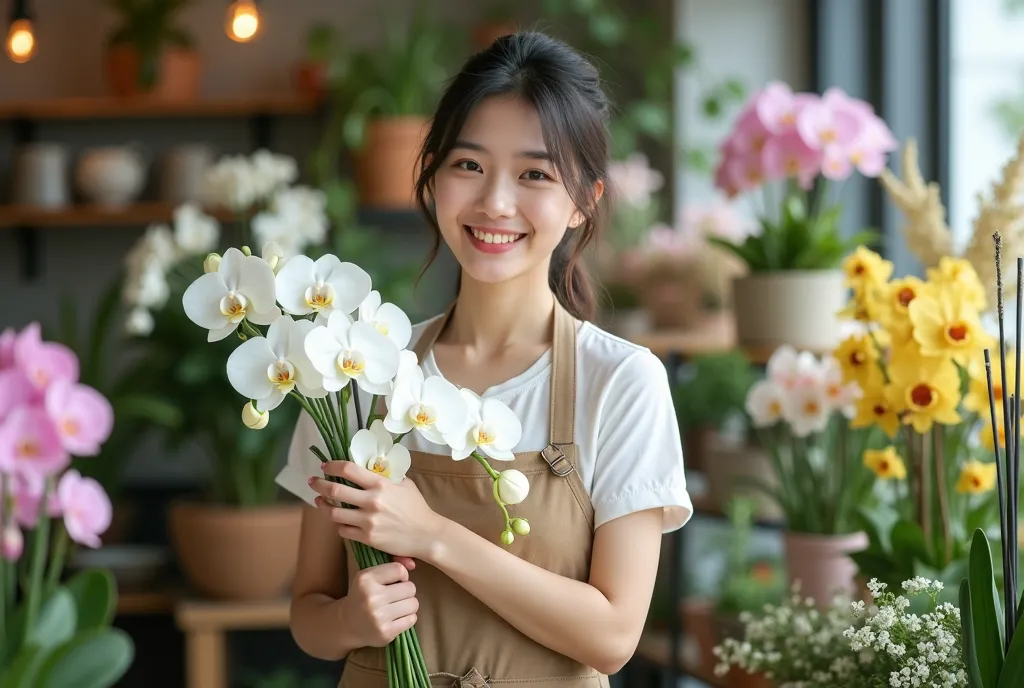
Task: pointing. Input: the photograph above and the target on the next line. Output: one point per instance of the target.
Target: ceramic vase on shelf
(41, 176)
(112, 176)
(795, 307)
(386, 163)
(822, 564)
(231, 553)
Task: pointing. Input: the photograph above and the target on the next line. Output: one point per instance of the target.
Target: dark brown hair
(565, 90)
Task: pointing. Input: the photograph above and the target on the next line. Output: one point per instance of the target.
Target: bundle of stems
(406, 666)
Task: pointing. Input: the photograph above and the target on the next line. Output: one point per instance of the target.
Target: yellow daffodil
(976, 398)
(857, 357)
(866, 304)
(976, 477)
(864, 267)
(946, 324)
(925, 388)
(874, 408)
(960, 274)
(886, 464)
(895, 316)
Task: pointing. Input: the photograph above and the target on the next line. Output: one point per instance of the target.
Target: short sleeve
(302, 464)
(639, 461)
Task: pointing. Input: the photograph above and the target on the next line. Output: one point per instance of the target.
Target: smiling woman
(512, 179)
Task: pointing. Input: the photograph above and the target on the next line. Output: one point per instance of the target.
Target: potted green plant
(149, 54)
(312, 74)
(382, 98)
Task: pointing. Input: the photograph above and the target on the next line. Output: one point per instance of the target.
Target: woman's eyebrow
(532, 154)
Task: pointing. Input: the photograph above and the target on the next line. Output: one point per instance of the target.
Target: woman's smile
(492, 239)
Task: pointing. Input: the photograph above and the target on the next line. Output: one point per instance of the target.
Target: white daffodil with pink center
(842, 396)
(324, 287)
(432, 407)
(375, 450)
(390, 320)
(765, 403)
(343, 351)
(492, 428)
(807, 410)
(789, 368)
(242, 288)
(267, 369)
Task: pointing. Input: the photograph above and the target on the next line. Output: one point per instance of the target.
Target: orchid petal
(291, 283)
(221, 333)
(450, 405)
(230, 268)
(507, 428)
(247, 368)
(279, 336)
(350, 282)
(399, 461)
(322, 350)
(201, 301)
(364, 447)
(380, 352)
(368, 308)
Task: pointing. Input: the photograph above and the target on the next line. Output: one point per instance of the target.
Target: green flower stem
(494, 476)
(60, 549)
(39, 548)
(487, 467)
(373, 415)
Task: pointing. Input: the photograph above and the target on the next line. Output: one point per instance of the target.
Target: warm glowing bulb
(21, 41)
(243, 20)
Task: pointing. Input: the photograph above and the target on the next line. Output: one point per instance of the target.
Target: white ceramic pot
(112, 176)
(792, 307)
(822, 565)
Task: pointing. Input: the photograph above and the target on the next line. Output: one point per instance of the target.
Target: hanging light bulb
(243, 20)
(21, 38)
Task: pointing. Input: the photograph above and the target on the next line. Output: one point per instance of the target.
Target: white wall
(756, 41)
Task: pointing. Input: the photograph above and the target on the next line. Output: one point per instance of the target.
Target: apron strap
(563, 394)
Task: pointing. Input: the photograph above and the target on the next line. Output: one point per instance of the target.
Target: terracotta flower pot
(311, 79)
(822, 564)
(792, 307)
(386, 165)
(236, 554)
(178, 73)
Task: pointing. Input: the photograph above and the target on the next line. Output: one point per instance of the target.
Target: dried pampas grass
(928, 236)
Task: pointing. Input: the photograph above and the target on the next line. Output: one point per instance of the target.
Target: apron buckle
(473, 679)
(555, 458)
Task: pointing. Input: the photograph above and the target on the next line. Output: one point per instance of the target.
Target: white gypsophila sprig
(852, 643)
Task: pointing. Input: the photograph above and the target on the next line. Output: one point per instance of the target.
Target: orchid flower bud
(254, 419)
(212, 263)
(521, 526)
(12, 542)
(507, 538)
(512, 487)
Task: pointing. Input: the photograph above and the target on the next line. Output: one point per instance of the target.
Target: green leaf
(909, 545)
(22, 671)
(93, 659)
(95, 595)
(967, 630)
(986, 613)
(56, 622)
(1012, 675)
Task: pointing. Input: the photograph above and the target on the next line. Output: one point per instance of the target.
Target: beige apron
(465, 644)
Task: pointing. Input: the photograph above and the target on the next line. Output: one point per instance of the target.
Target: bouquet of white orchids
(326, 329)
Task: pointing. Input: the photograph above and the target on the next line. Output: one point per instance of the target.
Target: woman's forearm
(318, 624)
(570, 617)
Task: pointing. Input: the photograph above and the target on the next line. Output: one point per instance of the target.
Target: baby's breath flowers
(853, 644)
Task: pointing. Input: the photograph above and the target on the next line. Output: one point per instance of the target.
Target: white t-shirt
(629, 451)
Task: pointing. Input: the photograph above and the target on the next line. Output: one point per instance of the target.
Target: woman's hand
(393, 518)
(381, 603)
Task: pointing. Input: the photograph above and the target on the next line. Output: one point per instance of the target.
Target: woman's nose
(498, 198)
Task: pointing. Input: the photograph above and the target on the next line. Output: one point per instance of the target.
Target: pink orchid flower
(82, 416)
(778, 108)
(29, 443)
(27, 490)
(834, 120)
(788, 156)
(15, 390)
(86, 508)
(43, 362)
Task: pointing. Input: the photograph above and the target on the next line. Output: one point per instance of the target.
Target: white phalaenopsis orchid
(241, 289)
(432, 406)
(344, 350)
(376, 450)
(511, 487)
(388, 318)
(325, 287)
(266, 369)
(491, 427)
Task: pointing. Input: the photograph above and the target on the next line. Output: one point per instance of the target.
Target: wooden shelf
(142, 107)
(94, 215)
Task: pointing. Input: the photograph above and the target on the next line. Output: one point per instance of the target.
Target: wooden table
(205, 625)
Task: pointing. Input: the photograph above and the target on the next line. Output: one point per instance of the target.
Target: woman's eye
(468, 165)
(536, 176)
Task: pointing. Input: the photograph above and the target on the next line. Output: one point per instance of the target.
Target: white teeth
(490, 238)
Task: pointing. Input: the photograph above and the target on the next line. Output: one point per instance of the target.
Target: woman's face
(500, 203)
